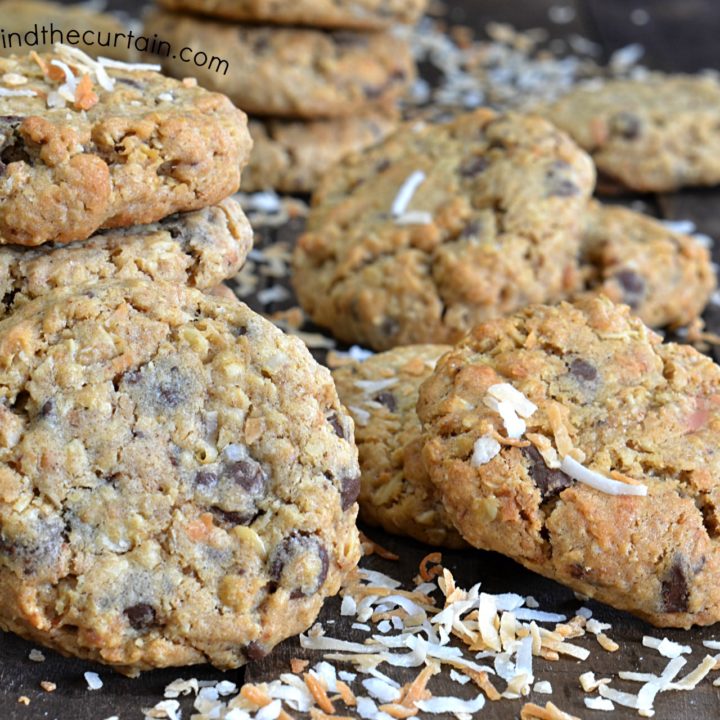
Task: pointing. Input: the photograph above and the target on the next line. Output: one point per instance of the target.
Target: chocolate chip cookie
(292, 156)
(655, 134)
(572, 440)
(395, 491)
(290, 72)
(200, 248)
(177, 478)
(85, 146)
(348, 14)
(442, 226)
(666, 277)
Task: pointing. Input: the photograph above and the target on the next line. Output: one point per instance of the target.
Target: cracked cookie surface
(177, 478)
(129, 155)
(291, 72)
(656, 134)
(493, 225)
(351, 14)
(610, 396)
(200, 249)
(395, 490)
(666, 277)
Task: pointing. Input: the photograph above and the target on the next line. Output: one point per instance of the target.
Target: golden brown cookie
(85, 146)
(177, 478)
(572, 440)
(442, 226)
(395, 490)
(199, 249)
(288, 72)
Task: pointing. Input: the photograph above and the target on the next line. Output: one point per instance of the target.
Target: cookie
(177, 478)
(570, 439)
(100, 29)
(292, 156)
(655, 134)
(200, 248)
(442, 226)
(395, 491)
(128, 147)
(289, 72)
(666, 277)
(342, 14)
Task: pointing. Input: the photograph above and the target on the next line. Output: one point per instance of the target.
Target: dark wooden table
(681, 35)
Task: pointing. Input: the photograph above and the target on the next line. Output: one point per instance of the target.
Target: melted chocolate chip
(550, 482)
(9, 297)
(47, 407)
(350, 39)
(472, 229)
(168, 389)
(239, 331)
(15, 152)
(583, 370)
(625, 124)
(675, 592)
(249, 475)
(255, 651)
(559, 185)
(175, 232)
(388, 400)
(350, 491)
(389, 327)
(632, 285)
(293, 551)
(229, 518)
(336, 426)
(474, 166)
(206, 479)
(140, 616)
(167, 168)
(382, 166)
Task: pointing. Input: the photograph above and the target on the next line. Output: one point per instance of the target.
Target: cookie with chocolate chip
(177, 478)
(291, 157)
(571, 439)
(654, 134)
(395, 491)
(666, 277)
(200, 249)
(85, 146)
(442, 226)
(343, 14)
(289, 72)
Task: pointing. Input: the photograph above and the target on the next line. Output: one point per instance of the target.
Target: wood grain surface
(682, 35)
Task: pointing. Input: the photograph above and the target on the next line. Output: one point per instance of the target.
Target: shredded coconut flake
(595, 480)
(405, 194)
(484, 450)
(507, 393)
(93, 681)
(438, 705)
(667, 648)
(599, 703)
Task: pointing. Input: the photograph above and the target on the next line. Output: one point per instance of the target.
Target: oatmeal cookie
(177, 478)
(666, 277)
(342, 14)
(572, 440)
(84, 146)
(200, 249)
(441, 226)
(290, 72)
(655, 134)
(395, 491)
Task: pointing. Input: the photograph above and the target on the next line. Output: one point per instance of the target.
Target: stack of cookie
(320, 78)
(177, 477)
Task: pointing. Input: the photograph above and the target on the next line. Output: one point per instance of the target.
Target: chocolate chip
(169, 390)
(167, 168)
(675, 592)
(249, 475)
(472, 229)
(206, 479)
(559, 185)
(239, 331)
(474, 166)
(255, 651)
(350, 491)
(625, 124)
(550, 482)
(261, 44)
(230, 518)
(288, 560)
(336, 426)
(9, 297)
(47, 407)
(350, 39)
(140, 616)
(15, 152)
(632, 285)
(583, 370)
(389, 327)
(129, 81)
(175, 232)
(38, 549)
(388, 400)
(382, 166)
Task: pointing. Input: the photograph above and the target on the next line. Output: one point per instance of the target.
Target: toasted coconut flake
(595, 480)
(318, 690)
(690, 681)
(505, 392)
(531, 711)
(434, 558)
(370, 547)
(607, 643)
